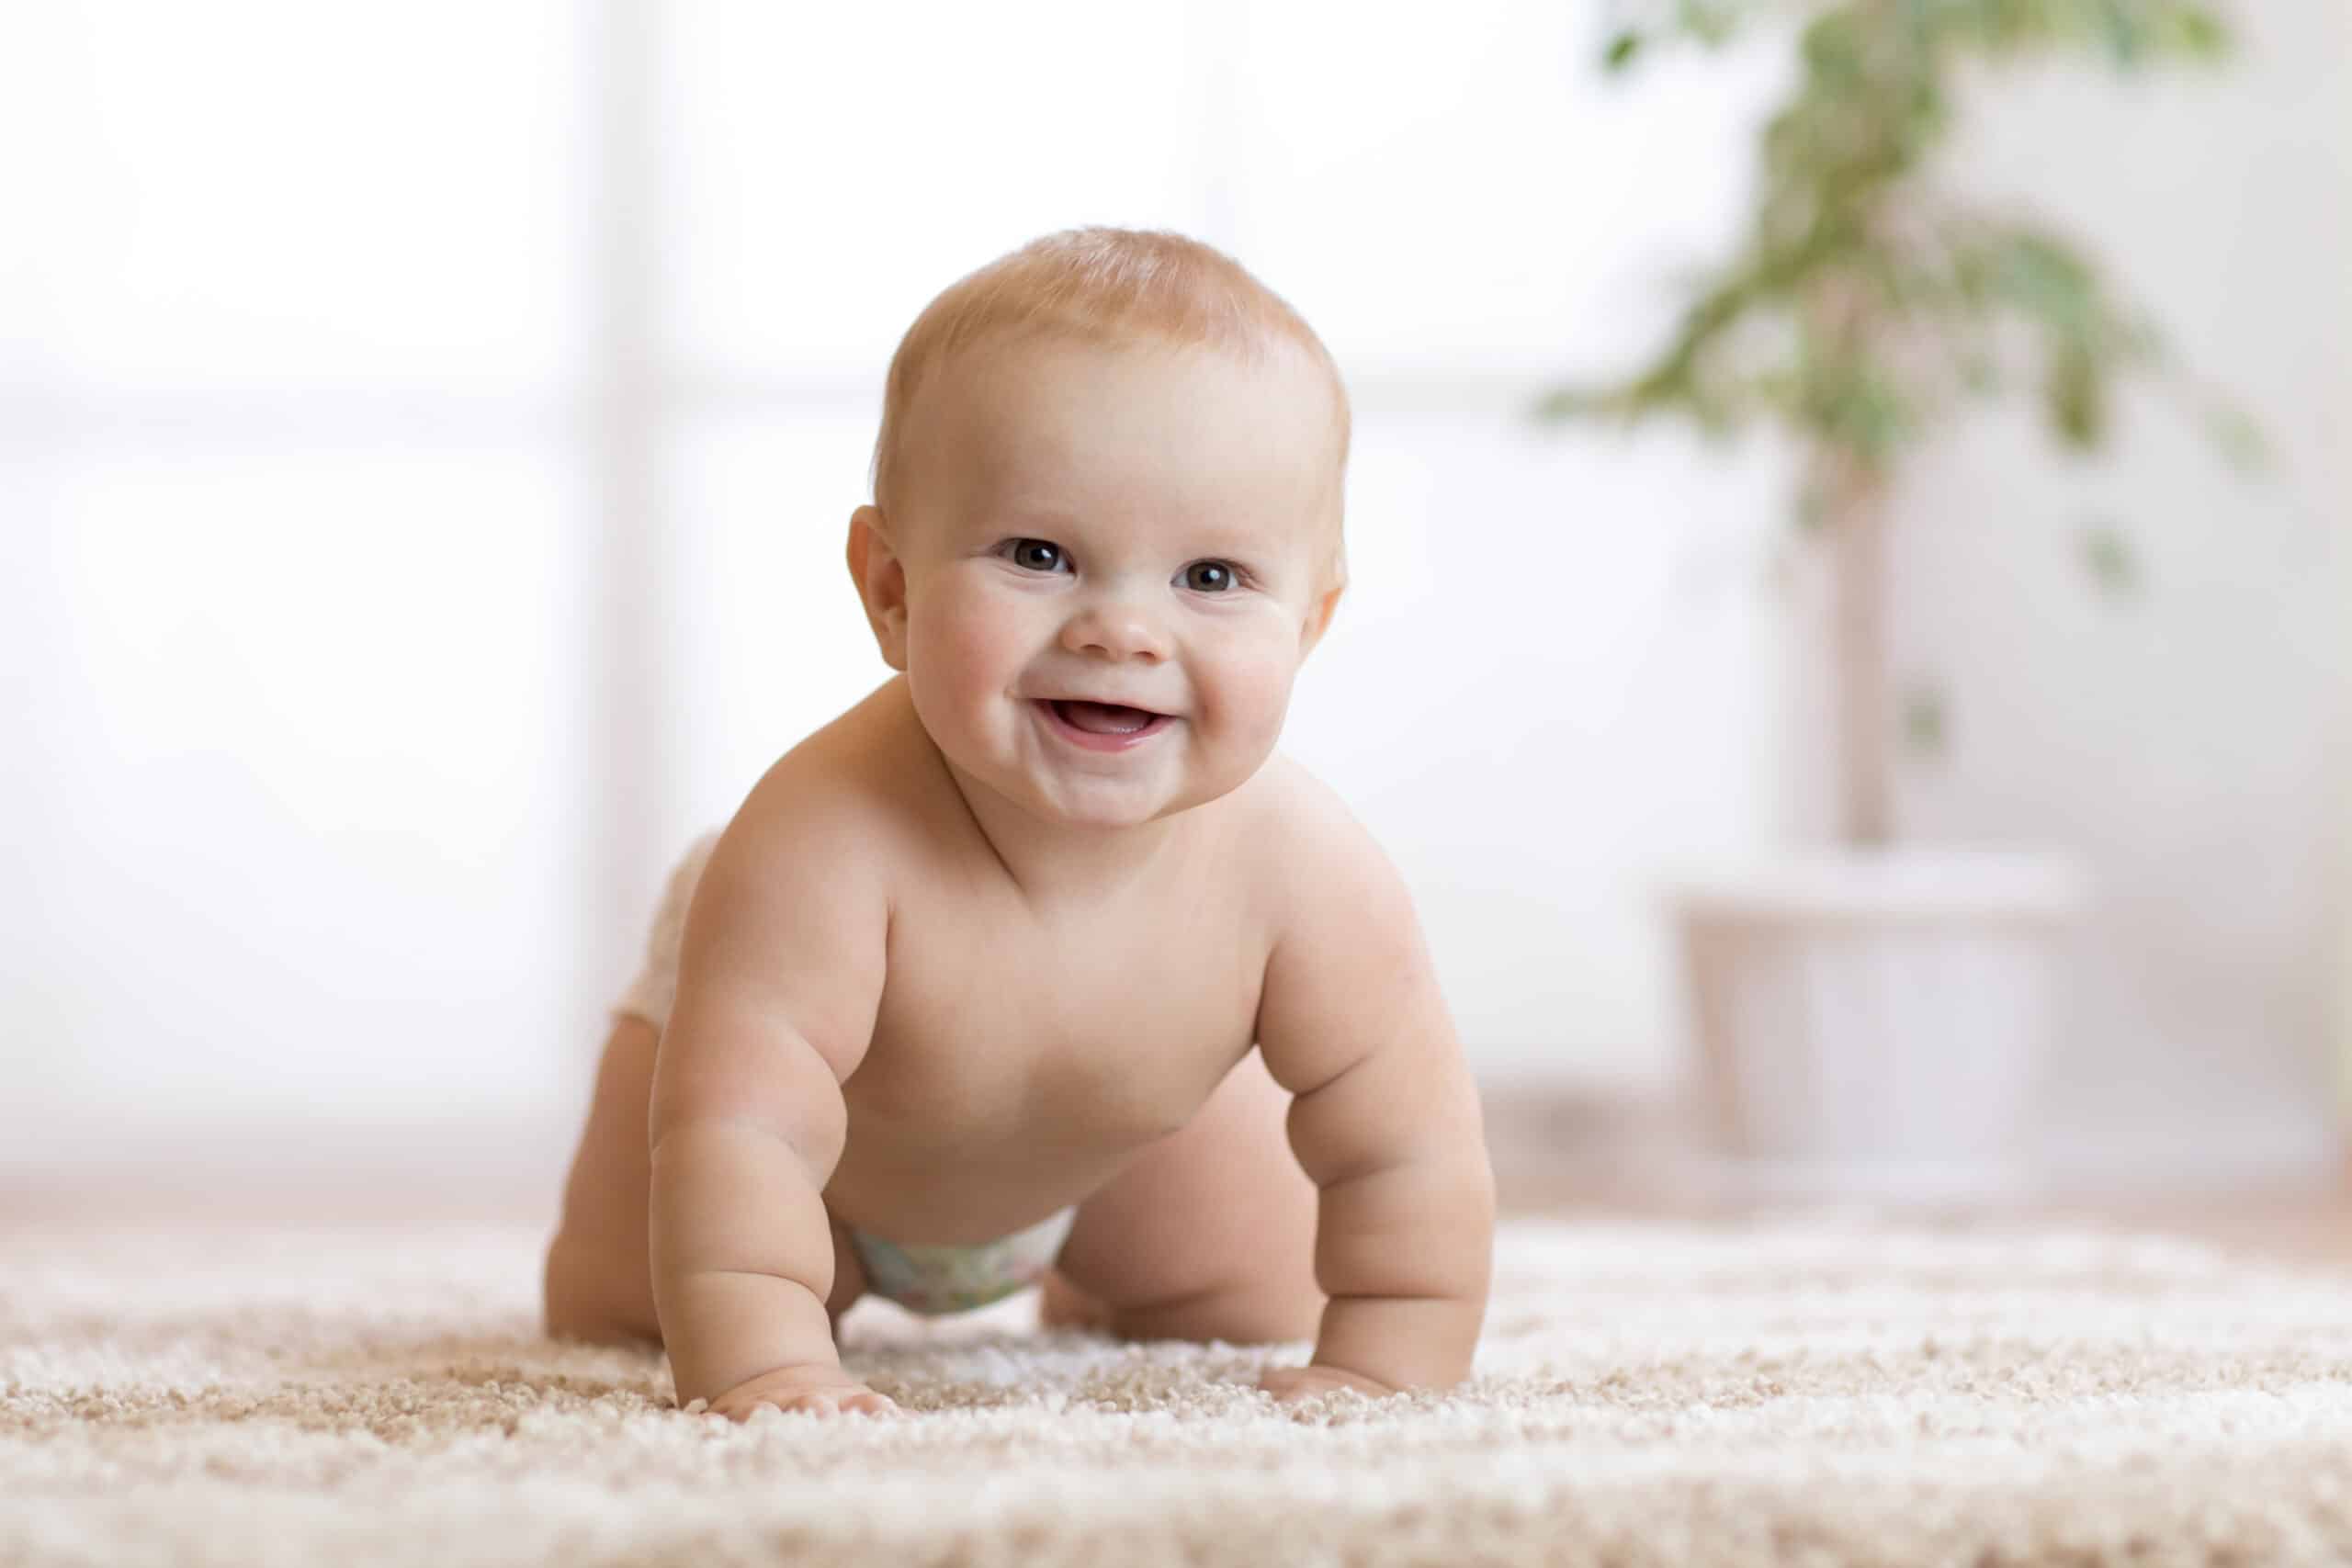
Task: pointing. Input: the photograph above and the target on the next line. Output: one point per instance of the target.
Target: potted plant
(1871, 1018)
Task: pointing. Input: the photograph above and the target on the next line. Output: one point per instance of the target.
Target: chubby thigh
(1209, 1233)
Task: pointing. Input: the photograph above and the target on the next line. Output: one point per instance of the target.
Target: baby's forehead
(1179, 430)
(1042, 396)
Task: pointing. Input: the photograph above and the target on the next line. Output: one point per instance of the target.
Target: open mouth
(1101, 726)
(1102, 719)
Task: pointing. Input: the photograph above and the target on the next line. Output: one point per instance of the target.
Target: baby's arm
(780, 975)
(1386, 1121)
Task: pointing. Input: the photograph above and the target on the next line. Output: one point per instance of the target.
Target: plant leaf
(1927, 721)
(2240, 439)
(2114, 565)
(2074, 396)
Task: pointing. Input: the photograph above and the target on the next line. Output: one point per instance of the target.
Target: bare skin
(1216, 1198)
(947, 973)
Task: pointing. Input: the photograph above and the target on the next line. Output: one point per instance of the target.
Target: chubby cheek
(1244, 705)
(959, 657)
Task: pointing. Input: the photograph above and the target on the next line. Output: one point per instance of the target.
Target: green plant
(1867, 301)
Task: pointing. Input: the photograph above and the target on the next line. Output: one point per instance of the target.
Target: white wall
(418, 524)
(2192, 738)
(339, 805)
(289, 625)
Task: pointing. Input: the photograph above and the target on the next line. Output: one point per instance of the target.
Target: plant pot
(1877, 1024)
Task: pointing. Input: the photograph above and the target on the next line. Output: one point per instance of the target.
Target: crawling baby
(1040, 965)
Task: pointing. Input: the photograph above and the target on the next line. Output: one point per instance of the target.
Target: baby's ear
(881, 581)
(1318, 619)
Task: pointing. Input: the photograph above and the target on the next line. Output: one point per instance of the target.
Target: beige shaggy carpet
(1809, 1390)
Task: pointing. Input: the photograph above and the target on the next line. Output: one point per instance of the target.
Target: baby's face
(1139, 526)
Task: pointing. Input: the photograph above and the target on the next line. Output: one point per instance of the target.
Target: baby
(1039, 966)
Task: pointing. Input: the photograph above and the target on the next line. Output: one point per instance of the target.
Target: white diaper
(655, 989)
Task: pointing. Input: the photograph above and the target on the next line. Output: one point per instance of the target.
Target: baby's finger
(1284, 1383)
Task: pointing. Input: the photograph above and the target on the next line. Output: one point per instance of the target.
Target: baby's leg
(1209, 1235)
(598, 1277)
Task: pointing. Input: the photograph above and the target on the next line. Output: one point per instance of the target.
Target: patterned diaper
(949, 1278)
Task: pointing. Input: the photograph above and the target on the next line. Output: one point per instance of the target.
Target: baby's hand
(819, 1389)
(1290, 1384)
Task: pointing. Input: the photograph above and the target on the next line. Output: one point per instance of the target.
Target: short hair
(1109, 285)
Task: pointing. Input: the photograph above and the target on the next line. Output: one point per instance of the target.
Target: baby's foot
(818, 1389)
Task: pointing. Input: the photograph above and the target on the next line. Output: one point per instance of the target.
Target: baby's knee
(1263, 1312)
(580, 1301)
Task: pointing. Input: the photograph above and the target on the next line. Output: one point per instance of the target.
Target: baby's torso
(1020, 1058)
(1015, 1067)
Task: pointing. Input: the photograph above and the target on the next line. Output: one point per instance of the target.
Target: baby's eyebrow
(1040, 516)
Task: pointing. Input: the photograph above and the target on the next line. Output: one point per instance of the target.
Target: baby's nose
(1117, 628)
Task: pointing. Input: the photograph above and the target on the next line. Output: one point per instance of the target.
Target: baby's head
(1110, 470)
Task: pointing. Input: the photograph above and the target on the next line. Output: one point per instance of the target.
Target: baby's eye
(1037, 555)
(1210, 576)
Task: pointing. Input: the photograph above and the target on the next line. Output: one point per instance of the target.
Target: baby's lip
(1110, 702)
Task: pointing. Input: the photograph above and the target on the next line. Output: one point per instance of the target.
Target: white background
(426, 437)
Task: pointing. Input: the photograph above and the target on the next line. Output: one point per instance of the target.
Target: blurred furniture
(1878, 1024)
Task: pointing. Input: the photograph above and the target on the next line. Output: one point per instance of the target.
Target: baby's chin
(1109, 812)
(1083, 809)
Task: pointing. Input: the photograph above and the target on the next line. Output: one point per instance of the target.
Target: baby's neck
(1054, 863)
(1046, 863)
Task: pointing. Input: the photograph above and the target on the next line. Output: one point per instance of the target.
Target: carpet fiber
(1811, 1389)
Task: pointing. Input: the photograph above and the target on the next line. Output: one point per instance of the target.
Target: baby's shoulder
(838, 792)
(1303, 834)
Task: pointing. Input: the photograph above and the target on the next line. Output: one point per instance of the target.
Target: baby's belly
(970, 1149)
(923, 1189)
